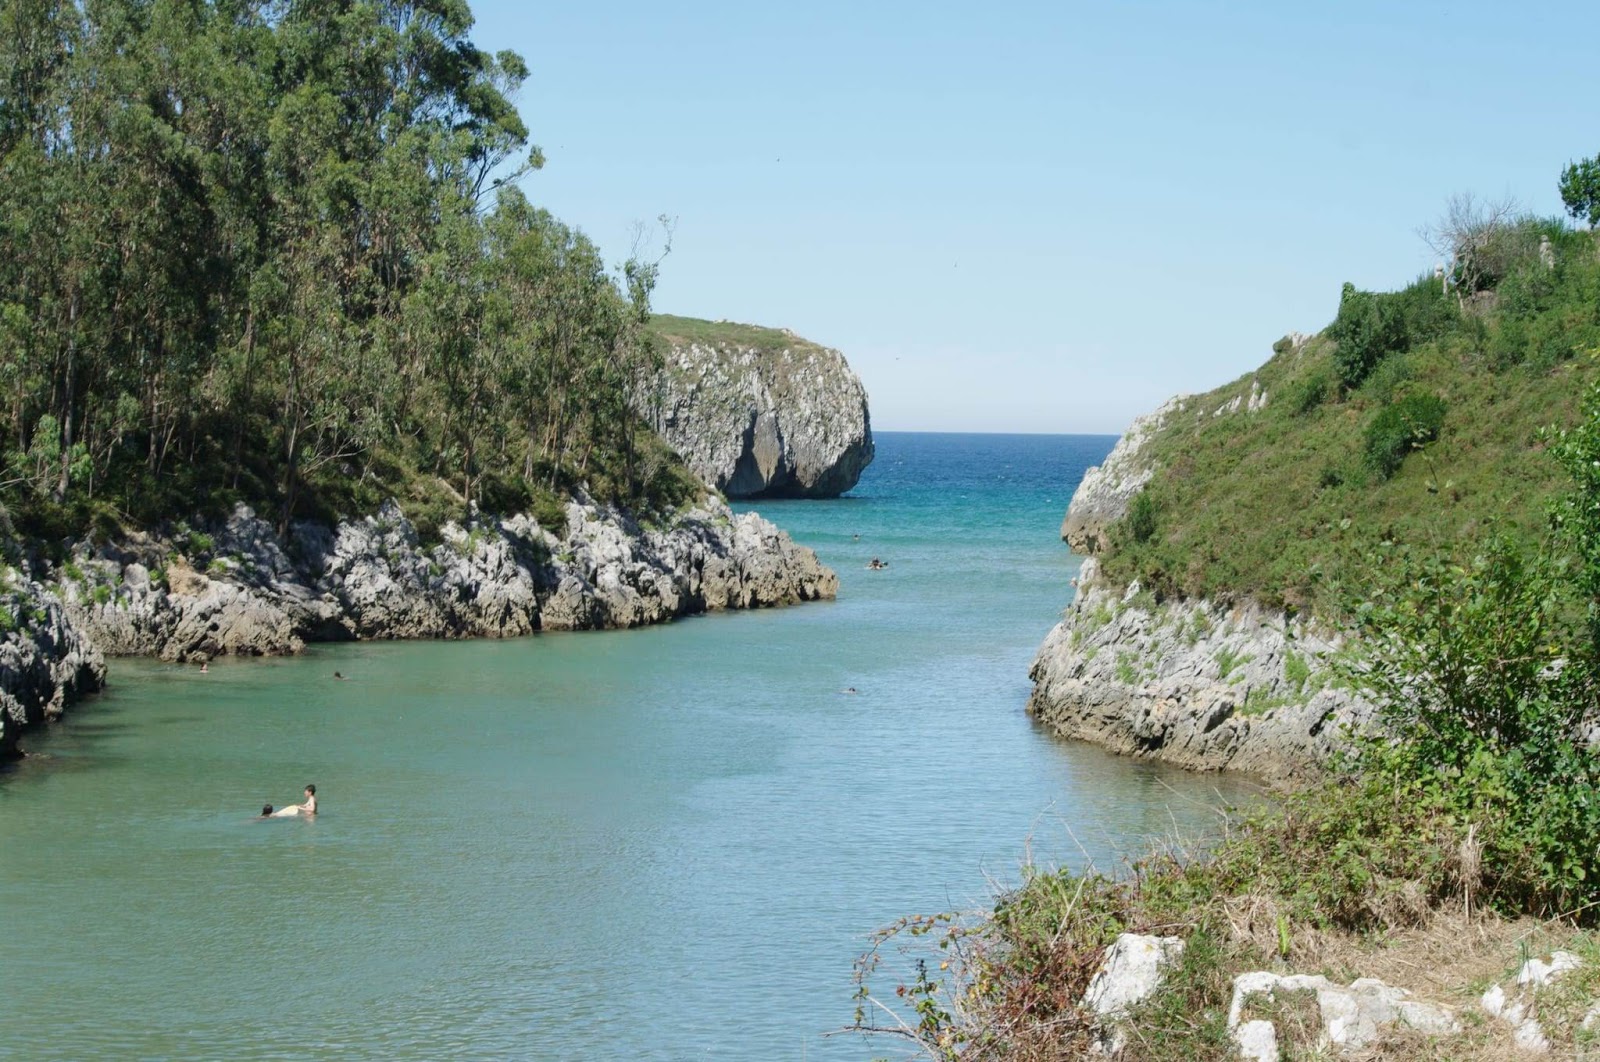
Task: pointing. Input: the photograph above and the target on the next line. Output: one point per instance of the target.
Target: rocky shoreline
(1193, 683)
(235, 587)
(1202, 684)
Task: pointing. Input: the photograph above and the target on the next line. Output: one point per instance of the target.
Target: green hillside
(1278, 503)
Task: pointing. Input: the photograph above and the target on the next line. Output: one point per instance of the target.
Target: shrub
(1399, 428)
(1141, 518)
(1373, 325)
(1309, 393)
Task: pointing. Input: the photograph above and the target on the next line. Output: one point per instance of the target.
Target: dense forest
(275, 251)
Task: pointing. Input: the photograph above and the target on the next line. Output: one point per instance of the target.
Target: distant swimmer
(205, 667)
(309, 808)
(338, 676)
(849, 689)
(856, 537)
(266, 812)
(876, 565)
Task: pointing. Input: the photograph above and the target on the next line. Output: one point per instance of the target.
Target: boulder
(1130, 972)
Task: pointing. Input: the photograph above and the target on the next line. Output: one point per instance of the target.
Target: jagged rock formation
(1107, 488)
(46, 662)
(1196, 683)
(244, 592)
(1191, 682)
(759, 412)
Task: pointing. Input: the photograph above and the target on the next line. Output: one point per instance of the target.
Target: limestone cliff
(759, 412)
(235, 588)
(46, 662)
(1194, 683)
(1198, 683)
(242, 591)
(1107, 488)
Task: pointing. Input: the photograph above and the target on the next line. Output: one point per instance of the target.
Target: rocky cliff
(759, 412)
(235, 588)
(238, 589)
(1103, 497)
(46, 662)
(1193, 683)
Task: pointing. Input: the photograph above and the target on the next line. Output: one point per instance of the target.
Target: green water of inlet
(656, 844)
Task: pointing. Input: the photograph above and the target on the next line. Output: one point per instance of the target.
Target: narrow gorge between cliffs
(659, 843)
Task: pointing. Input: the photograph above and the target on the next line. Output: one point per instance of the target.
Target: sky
(1039, 217)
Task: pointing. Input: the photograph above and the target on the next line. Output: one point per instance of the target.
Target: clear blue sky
(1018, 216)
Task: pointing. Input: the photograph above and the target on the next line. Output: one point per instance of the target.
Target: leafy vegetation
(1281, 505)
(1399, 428)
(276, 253)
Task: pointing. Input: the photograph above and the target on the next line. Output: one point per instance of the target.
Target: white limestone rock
(1192, 683)
(786, 419)
(1257, 1041)
(1130, 972)
(1353, 1017)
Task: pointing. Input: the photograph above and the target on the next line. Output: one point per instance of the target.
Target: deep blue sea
(656, 844)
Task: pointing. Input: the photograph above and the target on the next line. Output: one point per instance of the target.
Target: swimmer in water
(338, 676)
(849, 689)
(309, 808)
(266, 812)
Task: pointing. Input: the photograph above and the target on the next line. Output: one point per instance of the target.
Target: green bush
(1484, 670)
(1373, 325)
(1310, 393)
(1399, 428)
(1142, 518)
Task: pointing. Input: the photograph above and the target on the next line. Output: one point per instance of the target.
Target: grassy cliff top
(727, 334)
(1416, 417)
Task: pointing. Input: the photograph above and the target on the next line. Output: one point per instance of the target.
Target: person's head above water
(311, 790)
(266, 810)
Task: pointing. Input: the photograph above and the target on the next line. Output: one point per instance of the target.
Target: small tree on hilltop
(1580, 190)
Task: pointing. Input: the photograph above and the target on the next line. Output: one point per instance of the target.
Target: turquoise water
(657, 844)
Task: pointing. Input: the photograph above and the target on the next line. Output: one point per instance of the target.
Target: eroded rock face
(46, 662)
(1192, 683)
(1107, 488)
(757, 422)
(249, 594)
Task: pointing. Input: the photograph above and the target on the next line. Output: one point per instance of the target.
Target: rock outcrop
(46, 662)
(1352, 1017)
(1191, 682)
(1195, 683)
(238, 590)
(760, 412)
(1107, 488)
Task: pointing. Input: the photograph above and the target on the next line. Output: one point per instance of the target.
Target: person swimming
(338, 676)
(308, 808)
(266, 811)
